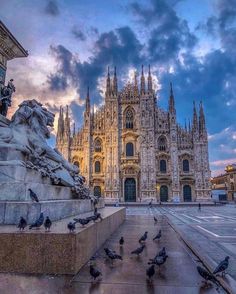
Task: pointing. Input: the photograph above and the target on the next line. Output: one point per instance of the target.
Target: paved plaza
(178, 275)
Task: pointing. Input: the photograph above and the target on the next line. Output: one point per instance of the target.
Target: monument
(28, 162)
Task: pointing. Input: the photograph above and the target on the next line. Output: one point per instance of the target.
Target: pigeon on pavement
(22, 224)
(38, 223)
(207, 276)
(82, 221)
(33, 196)
(121, 242)
(162, 252)
(158, 260)
(94, 272)
(155, 219)
(143, 238)
(158, 236)
(112, 254)
(71, 227)
(150, 272)
(47, 224)
(222, 266)
(138, 250)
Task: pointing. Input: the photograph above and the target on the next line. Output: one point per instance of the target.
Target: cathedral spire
(149, 79)
(135, 84)
(108, 86)
(87, 102)
(202, 124)
(60, 125)
(67, 122)
(142, 82)
(73, 129)
(171, 101)
(195, 118)
(115, 87)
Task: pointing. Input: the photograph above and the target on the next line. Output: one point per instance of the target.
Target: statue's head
(37, 117)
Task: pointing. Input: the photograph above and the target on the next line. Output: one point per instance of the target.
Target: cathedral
(132, 150)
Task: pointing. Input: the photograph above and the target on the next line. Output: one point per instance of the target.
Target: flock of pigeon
(158, 260)
(48, 223)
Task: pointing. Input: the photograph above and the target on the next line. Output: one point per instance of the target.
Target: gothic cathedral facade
(132, 150)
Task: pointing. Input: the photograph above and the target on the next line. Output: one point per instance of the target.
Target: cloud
(119, 47)
(78, 33)
(168, 33)
(52, 8)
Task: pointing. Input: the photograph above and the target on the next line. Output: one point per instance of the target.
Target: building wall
(133, 117)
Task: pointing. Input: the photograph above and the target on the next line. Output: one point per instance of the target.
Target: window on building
(97, 167)
(162, 144)
(129, 149)
(97, 191)
(185, 165)
(129, 119)
(98, 145)
(163, 166)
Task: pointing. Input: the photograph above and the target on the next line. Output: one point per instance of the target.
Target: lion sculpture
(24, 142)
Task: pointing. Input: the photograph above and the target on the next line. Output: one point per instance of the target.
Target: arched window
(162, 144)
(185, 165)
(97, 191)
(97, 167)
(129, 119)
(98, 145)
(163, 166)
(129, 149)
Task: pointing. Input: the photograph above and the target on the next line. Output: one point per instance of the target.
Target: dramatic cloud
(78, 33)
(168, 34)
(52, 8)
(197, 55)
(120, 47)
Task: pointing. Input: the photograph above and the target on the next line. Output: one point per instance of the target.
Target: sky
(187, 42)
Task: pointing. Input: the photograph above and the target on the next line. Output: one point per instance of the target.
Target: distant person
(199, 206)
(160, 202)
(150, 203)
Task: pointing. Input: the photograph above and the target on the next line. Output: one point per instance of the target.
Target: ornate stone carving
(24, 143)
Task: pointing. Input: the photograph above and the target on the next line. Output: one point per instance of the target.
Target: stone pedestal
(58, 251)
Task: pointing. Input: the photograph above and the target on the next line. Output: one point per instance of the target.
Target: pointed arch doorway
(130, 190)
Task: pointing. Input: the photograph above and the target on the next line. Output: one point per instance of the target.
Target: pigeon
(162, 252)
(91, 218)
(38, 223)
(82, 221)
(33, 196)
(207, 276)
(121, 242)
(150, 272)
(158, 260)
(143, 238)
(71, 227)
(94, 272)
(47, 224)
(98, 215)
(22, 224)
(158, 236)
(222, 266)
(155, 219)
(112, 254)
(138, 250)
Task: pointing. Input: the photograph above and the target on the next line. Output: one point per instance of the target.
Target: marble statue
(24, 142)
(5, 96)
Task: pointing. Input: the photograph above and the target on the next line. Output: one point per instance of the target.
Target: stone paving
(178, 275)
(210, 232)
